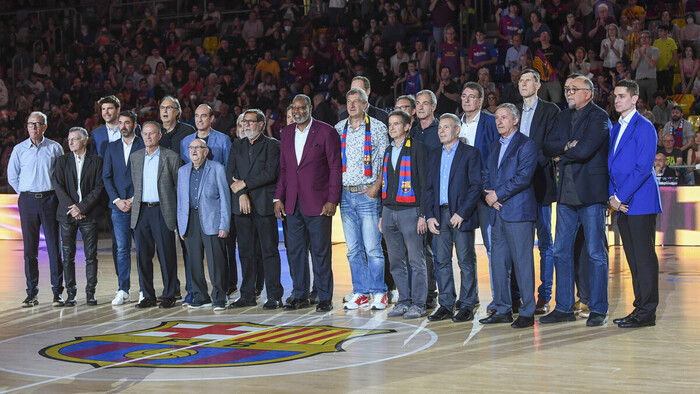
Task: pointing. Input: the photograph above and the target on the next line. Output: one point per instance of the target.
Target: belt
(150, 204)
(445, 206)
(39, 194)
(356, 189)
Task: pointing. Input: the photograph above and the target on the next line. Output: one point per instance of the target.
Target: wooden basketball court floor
(396, 355)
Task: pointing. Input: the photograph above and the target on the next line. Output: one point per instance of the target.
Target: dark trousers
(33, 214)
(319, 233)
(638, 235)
(512, 253)
(581, 267)
(286, 248)
(463, 242)
(430, 264)
(259, 232)
(198, 245)
(89, 232)
(231, 275)
(151, 233)
(665, 81)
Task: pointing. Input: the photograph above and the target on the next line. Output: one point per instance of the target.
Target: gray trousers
(399, 228)
(463, 242)
(512, 250)
(198, 245)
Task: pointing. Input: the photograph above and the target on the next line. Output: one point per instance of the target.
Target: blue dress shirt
(150, 177)
(504, 146)
(30, 167)
(445, 166)
(395, 153)
(195, 182)
(526, 118)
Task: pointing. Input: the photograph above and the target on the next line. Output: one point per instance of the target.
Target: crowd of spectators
(259, 53)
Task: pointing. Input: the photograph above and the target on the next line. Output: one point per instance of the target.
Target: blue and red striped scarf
(405, 191)
(367, 157)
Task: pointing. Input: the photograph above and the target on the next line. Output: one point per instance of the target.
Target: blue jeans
(121, 222)
(360, 216)
(544, 244)
(592, 217)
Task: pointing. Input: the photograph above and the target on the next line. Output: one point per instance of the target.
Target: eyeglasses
(196, 147)
(248, 121)
(167, 107)
(35, 125)
(573, 90)
(469, 97)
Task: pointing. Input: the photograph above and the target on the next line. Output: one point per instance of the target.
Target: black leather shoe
(595, 319)
(289, 300)
(516, 306)
(523, 322)
(91, 300)
(273, 304)
(490, 311)
(497, 318)
(167, 303)
(313, 297)
(297, 304)
(635, 322)
(324, 306)
(542, 307)
(242, 303)
(70, 300)
(441, 314)
(557, 317)
(464, 314)
(146, 303)
(625, 319)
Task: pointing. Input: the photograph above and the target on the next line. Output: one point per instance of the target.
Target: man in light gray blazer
(203, 219)
(153, 214)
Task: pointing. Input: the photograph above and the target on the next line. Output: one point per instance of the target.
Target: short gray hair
(177, 105)
(410, 99)
(259, 116)
(433, 99)
(512, 108)
(455, 120)
(304, 97)
(39, 113)
(358, 91)
(587, 81)
(82, 131)
(154, 123)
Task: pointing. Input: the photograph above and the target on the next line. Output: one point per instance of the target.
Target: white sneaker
(357, 301)
(379, 302)
(141, 297)
(121, 298)
(348, 297)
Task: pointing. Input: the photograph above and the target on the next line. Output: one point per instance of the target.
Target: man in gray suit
(203, 218)
(153, 214)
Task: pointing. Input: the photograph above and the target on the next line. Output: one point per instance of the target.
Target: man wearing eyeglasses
(203, 220)
(644, 62)
(29, 172)
(579, 141)
(79, 186)
(252, 171)
(478, 130)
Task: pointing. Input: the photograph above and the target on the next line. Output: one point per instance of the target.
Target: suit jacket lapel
(456, 160)
(613, 137)
(577, 127)
(257, 148)
(628, 133)
(536, 118)
(205, 171)
(511, 147)
(161, 163)
(73, 169)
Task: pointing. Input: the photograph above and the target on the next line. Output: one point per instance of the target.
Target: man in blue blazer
(219, 146)
(108, 132)
(203, 218)
(634, 193)
(219, 143)
(452, 194)
(580, 141)
(509, 191)
(116, 174)
(537, 119)
(478, 130)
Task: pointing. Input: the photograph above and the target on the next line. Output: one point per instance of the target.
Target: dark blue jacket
(115, 173)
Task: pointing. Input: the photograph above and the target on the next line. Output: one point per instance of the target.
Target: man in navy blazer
(203, 219)
(306, 195)
(537, 119)
(452, 194)
(108, 132)
(509, 191)
(116, 174)
(580, 141)
(634, 193)
(479, 130)
(219, 143)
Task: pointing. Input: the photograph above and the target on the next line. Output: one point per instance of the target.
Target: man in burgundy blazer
(307, 193)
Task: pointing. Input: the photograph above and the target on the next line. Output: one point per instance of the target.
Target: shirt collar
(506, 141)
(628, 118)
(308, 126)
(78, 157)
(156, 153)
(393, 143)
(475, 120)
(533, 107)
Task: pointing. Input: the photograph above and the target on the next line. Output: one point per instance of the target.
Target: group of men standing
(422, 186)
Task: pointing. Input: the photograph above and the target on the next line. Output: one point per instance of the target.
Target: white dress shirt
(468, 130)
(300, 137)
(79, 161)
(624, 122)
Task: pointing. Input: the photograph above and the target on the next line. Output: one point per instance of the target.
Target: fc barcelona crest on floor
(186, 344)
